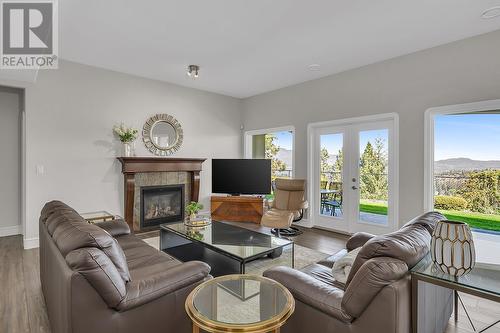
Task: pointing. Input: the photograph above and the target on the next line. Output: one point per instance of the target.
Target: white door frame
(430, 114)
(312, 128)
(247, 141)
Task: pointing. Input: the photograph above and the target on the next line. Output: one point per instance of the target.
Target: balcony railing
(282, 173)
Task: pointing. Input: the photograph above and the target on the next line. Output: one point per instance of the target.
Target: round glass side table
(239, 303)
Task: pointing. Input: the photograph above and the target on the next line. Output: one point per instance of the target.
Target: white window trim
(312, 127)
(429, 139)
(247, 141)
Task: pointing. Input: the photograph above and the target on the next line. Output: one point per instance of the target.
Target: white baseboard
(30, 243)
(10, 231)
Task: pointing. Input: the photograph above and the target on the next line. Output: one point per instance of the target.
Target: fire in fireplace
(161, 204)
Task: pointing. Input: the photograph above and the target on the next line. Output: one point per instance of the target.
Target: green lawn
(475, 220)
(373, 207)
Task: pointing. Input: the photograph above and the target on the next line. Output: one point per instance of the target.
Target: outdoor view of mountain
(463, 164)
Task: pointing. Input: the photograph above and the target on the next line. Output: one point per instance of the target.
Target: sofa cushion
(409, 244)
(76, 233)
(323, 274)
(358, 240)
(51, 207)
(57, 218)
(155, 284)
(374, 275)
(143, 258)
(100, 272)
(428, 220)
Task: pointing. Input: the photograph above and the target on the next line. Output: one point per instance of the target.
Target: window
(464, 182)
(275, 144)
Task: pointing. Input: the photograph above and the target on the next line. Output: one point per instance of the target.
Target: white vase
(452, 247)
(127, 149)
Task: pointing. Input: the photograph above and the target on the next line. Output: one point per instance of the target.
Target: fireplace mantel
(133, 165)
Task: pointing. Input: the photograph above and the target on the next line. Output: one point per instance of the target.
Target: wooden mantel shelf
(159, 164)
(133, 165)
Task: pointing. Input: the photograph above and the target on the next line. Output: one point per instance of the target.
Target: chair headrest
(286, 184)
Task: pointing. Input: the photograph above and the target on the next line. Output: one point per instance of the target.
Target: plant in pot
(127, 136)
(193, 208)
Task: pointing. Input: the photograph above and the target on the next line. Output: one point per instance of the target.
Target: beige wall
(460, 72)
(70, 113)
(10, 162)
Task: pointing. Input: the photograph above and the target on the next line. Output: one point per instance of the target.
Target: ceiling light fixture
(193, 71)
(491, 13)
(314, 67)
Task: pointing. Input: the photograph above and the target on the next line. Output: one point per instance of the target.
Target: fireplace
(161, 204)
(141, 172)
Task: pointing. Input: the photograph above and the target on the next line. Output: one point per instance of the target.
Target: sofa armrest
(115, 227)
(145, 290)
(310, 291)
(358, 240)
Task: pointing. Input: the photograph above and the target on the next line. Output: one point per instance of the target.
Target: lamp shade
(452, 247)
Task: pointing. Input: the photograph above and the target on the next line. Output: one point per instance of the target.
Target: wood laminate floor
(22, 308)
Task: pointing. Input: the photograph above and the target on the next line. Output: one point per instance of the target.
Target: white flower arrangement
(124, 133)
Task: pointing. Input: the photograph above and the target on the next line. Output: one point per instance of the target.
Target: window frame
(430, 114)
(247, 141)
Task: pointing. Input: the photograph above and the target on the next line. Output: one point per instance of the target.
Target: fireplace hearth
(161, 204)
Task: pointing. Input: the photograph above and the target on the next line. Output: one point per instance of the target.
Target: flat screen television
(241, 176)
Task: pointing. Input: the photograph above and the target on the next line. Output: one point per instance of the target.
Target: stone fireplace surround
(150, 171)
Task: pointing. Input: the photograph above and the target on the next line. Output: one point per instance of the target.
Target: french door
(354, 177)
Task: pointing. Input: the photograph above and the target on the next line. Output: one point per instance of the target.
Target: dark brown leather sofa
(377, 295)
(100, 278)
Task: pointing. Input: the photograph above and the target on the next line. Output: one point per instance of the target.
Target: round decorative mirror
(162, 134)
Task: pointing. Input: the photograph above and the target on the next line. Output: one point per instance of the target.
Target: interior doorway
(11, 105)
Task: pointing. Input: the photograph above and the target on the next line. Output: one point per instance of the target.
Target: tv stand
(236, 208)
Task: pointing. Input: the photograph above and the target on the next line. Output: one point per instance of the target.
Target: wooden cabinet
(236, 208)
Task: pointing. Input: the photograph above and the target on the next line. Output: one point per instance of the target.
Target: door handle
(354, 187)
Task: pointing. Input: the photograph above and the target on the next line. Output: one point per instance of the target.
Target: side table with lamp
(451, 264)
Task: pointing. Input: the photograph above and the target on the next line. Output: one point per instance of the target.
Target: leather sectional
(377, 295)
(101, 278)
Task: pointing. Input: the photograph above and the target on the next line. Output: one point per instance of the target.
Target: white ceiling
(247, 47)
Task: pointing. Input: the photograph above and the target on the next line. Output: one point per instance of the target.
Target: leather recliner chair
(377, 295)
(288, 206)
(100, 278)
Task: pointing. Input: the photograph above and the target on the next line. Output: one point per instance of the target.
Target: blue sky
(475, 136)
(284, 139)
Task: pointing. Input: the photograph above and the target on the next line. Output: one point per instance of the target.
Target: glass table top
(100, 215)
(237, 241)
(483, 277)
(241, 300)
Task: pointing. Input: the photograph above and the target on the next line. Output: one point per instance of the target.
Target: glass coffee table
(214, 308)
(482, 281)
(227, 248)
